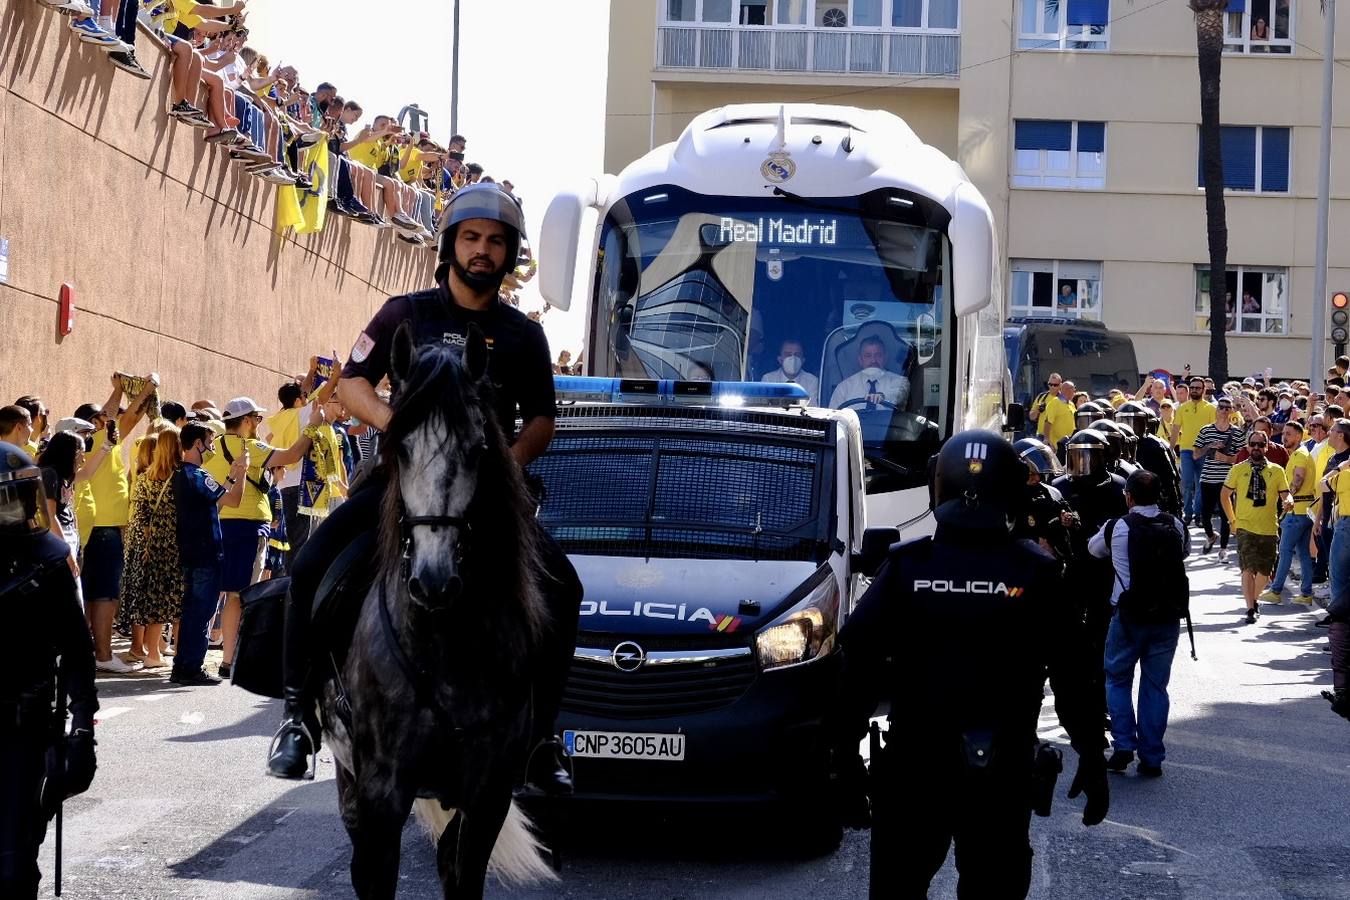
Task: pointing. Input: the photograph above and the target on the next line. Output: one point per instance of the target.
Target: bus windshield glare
(847, 296)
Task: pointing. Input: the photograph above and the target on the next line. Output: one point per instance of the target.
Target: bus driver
(873, 382)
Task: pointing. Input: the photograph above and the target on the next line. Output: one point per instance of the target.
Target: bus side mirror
(972, 236)
(560, 242)
(1014, 417)
(876, 546)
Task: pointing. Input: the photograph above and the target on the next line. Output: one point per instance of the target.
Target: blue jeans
(201, 590)
(1340, 560)
(1294, 532)
(1190, 483)
(1152, 648)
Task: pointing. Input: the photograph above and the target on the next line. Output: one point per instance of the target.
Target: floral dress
(152, 579)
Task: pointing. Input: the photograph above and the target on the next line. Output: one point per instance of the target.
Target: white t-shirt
(893, 387)
(809, 383)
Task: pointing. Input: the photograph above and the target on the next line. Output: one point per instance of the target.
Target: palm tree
(1209, 33)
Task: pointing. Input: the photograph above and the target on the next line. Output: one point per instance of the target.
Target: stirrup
(313, 753)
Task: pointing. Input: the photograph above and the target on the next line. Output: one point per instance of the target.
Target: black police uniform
(1155, 455)
(1039, 519)
(521, 373)
(38, 600)
(971, 623)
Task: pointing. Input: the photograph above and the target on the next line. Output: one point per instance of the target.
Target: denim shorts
(245, 542)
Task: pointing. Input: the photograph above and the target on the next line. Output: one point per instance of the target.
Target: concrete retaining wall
(168, 245)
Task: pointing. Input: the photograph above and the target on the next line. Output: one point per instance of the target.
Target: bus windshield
(847, 296)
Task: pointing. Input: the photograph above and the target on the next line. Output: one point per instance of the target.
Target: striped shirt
(1229, 442)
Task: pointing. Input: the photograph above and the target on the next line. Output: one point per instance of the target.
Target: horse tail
(518, 858)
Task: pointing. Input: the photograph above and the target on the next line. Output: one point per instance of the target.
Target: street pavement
(1253, 803)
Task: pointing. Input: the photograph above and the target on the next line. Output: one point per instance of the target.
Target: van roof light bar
(670, 392)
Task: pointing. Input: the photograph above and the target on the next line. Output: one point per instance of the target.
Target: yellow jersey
(253, 505)
(1302, 459)
(1190, 417)
(1056, 422)
(1340, 483)
(112, 494)
(284, 429)
(85, 510)
(1256, 519)
(371, 154)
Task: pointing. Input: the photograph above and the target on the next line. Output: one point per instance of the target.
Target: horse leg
(462, 857)
(374, 815)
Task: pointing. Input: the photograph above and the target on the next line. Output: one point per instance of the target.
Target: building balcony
(843, 51)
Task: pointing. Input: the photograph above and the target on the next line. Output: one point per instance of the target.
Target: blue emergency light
(669, 392)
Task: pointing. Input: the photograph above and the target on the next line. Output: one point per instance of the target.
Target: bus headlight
(803, 633)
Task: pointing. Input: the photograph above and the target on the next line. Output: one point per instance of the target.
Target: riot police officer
(1096, 494)
(962, 629)
(1153, 453)
(1044, 516)
(480, 235)
(44, 675)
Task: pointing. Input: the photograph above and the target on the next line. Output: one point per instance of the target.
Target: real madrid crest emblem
(779, 167)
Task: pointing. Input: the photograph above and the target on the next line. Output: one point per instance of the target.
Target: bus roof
(819, 151)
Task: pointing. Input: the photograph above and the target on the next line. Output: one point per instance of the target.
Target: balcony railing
(812, 50)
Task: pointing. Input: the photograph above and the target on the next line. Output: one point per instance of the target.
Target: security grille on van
(599, 689)
(654, 486)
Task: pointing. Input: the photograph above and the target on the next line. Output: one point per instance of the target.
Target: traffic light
(1340, 320)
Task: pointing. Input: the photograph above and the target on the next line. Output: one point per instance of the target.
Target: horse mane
(501, 513)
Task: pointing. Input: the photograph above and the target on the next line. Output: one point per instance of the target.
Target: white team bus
(826, 228)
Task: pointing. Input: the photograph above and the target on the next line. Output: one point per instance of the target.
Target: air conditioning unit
(834, 17)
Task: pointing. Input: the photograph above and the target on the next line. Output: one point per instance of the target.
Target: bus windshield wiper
(816, 204)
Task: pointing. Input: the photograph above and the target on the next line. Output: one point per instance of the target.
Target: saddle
(335, 612)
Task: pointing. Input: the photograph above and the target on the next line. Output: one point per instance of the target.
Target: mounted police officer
(1044, 515)
(1153, 453)
(961, 631)
(44, 674)
(478, 246)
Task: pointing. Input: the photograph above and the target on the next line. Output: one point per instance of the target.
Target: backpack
(1159, 591)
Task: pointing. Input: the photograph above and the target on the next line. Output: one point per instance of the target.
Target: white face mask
(872, 372)
(792, 365)
(1286, 404)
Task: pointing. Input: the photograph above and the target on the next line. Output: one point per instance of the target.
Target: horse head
(438, 444)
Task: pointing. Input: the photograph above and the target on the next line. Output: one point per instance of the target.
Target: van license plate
(621, 745)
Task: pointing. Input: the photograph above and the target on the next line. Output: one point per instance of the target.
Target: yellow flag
(305, 210)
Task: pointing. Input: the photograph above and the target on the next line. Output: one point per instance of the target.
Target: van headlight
(803, 633)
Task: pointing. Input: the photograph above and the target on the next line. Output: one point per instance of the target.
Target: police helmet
(479, 201)
(1038, 458)
(23, 502)
(1141, 419)
(1131, 445)
(1086, 414)
(1115, 441)
(1087, 454)
(977, 481)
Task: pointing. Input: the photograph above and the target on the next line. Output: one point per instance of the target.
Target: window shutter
(1088, 12)
(1275, 159)
(1091, 137)
(1238, 147)
(1237, 6)
(1032, 135)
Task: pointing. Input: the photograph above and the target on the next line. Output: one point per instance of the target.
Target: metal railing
(811, 50)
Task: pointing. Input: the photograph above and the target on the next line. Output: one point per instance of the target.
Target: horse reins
(407, 523)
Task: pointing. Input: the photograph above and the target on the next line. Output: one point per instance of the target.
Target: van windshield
(702, 488)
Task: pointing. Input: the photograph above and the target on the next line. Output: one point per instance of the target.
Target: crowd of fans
(1262, 463)
(379, 173)
(167, 523)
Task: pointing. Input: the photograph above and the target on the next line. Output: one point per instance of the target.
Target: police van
(1087, 353)
(720, 533)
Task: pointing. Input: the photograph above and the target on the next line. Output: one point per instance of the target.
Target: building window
(1258, 26)
(1059, 154)
(718, 12)
(942, 15)
(1257, 300)
(1255, 158)
(1064, 24)
(1056, 287)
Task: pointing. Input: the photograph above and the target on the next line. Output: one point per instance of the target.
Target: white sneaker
(116, 664)
(1322, 591)
(71, 7)
(1223, 555)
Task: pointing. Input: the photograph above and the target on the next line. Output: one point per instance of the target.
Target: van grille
(599, 689)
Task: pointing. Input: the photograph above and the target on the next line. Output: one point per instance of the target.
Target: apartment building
(1078, 119)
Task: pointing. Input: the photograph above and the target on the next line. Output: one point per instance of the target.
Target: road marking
(290, 811)
(192, 718)
(153, 698)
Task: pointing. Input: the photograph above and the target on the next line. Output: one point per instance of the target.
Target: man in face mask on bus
(873, 384)
(791, 358)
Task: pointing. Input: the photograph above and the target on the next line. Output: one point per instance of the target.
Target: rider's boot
(293, 746)
(547, 772)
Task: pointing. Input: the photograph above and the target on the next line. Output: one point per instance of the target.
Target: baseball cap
(216, 426)
(241, 406)
(1248, 381)
(71, 423)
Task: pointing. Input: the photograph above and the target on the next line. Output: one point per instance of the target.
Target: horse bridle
(406, 524)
